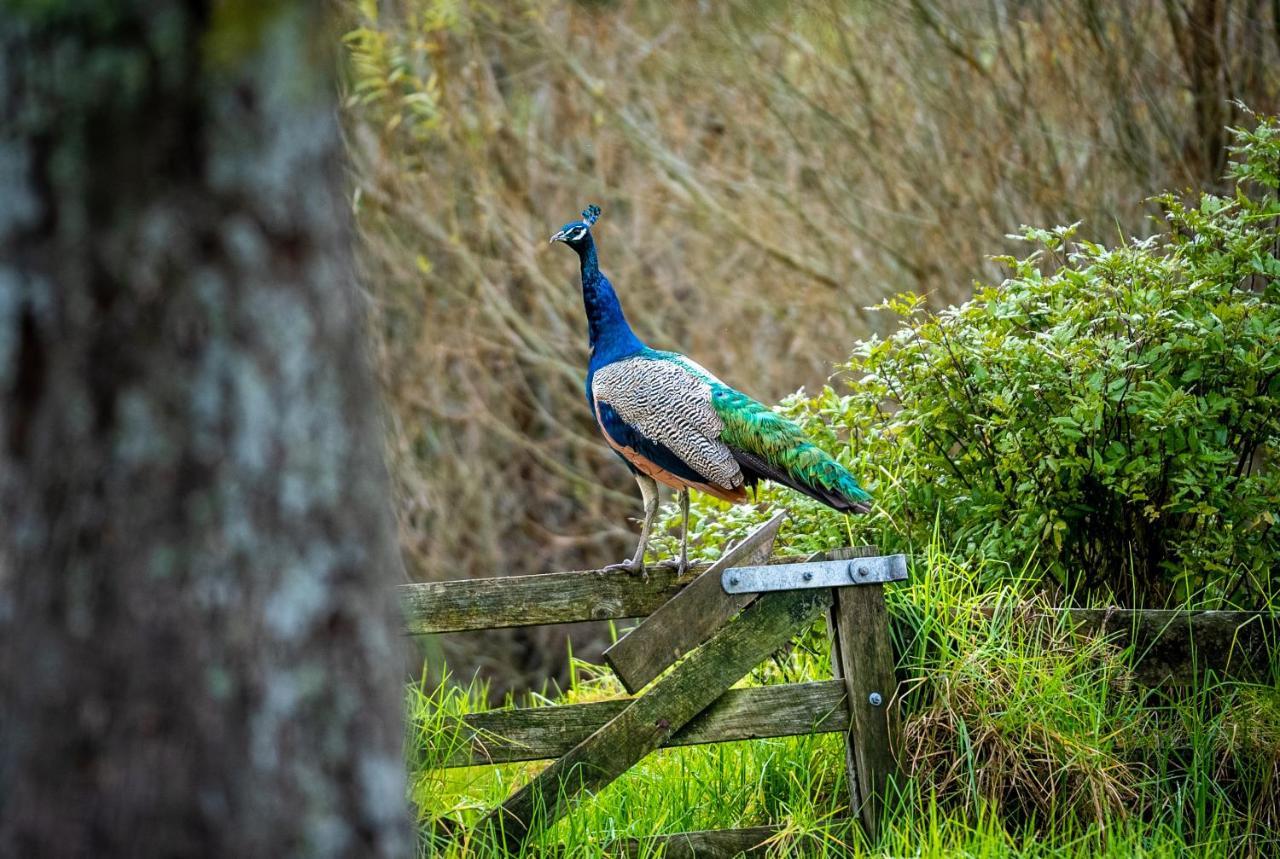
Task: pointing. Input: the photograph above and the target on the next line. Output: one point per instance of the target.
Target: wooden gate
(687, 619)
(682, 660)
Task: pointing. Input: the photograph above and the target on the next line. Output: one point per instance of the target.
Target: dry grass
(1018, 722)
(766, 170)
(1248, 742)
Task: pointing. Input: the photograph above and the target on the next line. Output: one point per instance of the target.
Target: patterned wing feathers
(669, 405)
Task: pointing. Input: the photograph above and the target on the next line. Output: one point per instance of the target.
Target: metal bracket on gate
(814, 574)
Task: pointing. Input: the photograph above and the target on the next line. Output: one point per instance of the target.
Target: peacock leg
(684, 533)
(649, 492)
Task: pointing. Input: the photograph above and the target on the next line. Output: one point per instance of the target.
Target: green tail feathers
(770, 447)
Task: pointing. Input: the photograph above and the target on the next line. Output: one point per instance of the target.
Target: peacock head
(575, 234)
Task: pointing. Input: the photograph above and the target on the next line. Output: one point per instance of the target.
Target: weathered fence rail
(540, 733)
(547, 598)
(1171, 645)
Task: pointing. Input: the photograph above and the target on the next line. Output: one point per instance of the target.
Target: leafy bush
(1111, 413)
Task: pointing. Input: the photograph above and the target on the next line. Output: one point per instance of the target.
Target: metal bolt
(808, 576)
(864, 572)
(874, 699)
(733, 580)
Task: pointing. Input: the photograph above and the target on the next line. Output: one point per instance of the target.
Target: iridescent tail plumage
(770, 447)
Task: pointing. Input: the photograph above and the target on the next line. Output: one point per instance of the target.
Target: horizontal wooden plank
(750, 842)
(539, 733)
(507, 601)
(1174, 647)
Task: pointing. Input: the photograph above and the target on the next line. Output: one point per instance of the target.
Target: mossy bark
(197, 627)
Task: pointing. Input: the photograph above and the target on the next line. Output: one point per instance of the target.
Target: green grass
(1021, 739)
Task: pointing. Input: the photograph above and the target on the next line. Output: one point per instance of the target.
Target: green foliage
(1113, 413)
(391, 75)
(1009, 709)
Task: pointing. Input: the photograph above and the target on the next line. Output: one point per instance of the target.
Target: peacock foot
(633, 567)
(679, 567)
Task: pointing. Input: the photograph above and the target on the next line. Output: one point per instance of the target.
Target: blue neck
(610, 335)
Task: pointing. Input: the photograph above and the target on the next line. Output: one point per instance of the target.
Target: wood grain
(509, 601)
(862, 657)
(462, 605)
(538, 733)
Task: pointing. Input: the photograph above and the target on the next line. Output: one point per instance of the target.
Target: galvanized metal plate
(815, 574)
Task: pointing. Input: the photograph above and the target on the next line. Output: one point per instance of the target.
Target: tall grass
(1022, 738)
(767, 171)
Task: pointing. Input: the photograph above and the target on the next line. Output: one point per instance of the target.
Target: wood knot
(605, 609)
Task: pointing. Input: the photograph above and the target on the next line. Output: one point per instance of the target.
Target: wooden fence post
(862, 657)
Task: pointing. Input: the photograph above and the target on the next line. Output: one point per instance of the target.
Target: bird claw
(631, 568)
(678, 568)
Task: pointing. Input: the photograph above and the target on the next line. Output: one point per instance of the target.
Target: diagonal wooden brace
(691, 616)
(650, 720)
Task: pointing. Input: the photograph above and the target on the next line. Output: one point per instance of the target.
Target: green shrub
(1111, 413)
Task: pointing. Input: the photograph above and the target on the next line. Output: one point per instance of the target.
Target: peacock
(674, 423)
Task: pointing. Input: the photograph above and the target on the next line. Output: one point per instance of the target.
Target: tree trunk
(197, 635)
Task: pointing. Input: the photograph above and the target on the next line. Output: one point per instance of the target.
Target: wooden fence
(687, 627)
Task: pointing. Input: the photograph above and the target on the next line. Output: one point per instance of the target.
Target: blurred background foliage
(768, 171)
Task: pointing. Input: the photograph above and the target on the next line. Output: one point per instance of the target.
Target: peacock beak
(558, 237)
